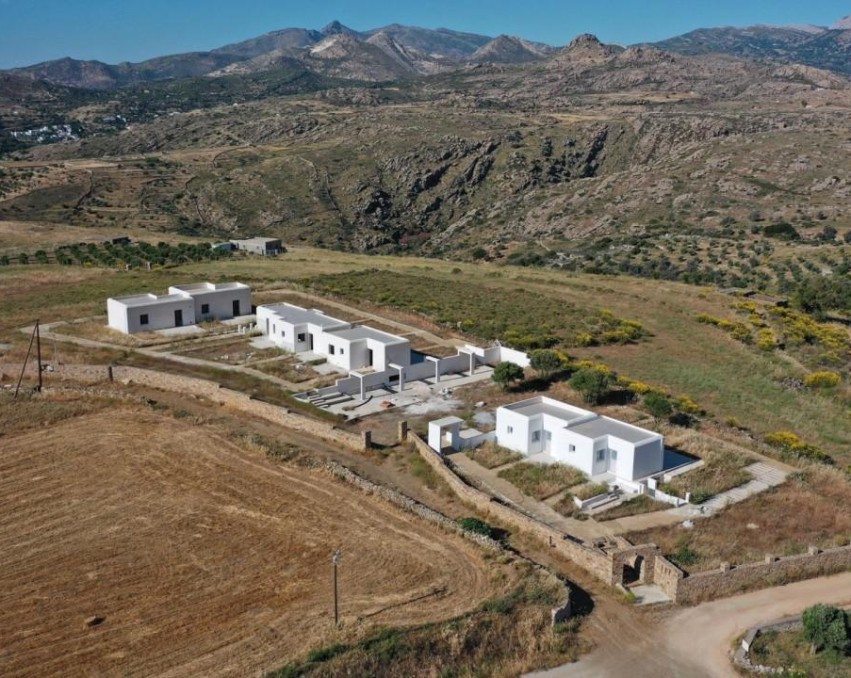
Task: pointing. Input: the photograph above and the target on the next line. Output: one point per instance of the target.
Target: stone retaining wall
(594, 560)
(558, 614)
(729, 580)
(191, 386)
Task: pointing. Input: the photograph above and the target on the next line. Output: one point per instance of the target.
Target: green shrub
(476, 526)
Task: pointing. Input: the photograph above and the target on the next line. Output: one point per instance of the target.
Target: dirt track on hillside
(202, 558)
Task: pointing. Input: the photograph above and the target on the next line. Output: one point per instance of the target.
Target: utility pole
(33, 337)
(335, 559)
(38, 353)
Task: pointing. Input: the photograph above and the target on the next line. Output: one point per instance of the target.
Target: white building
(349, 347)
(217, 301)
(594, 444)
(183, 305)
(263, 246)
(148, 312)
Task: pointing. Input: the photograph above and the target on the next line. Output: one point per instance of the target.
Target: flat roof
(207, 287)
(148, 299)
(446, 421)
(365, 332)
(548, 406)
(606, 426)
(297, 315)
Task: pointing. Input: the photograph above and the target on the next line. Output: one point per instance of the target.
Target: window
(536, 436)
(283, 334)
(571, 448)
(205, 309)
(613, 454)
(302, 337)
(331, 350)
(601, 455)
(342, 350)
(143, 319)
(509, 429)
(274, 329)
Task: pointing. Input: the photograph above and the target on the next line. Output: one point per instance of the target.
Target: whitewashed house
(183, 305)
(349, 347)
(149, 312)
(597, 445)
(217, 301)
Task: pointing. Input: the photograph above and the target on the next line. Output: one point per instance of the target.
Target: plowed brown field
(203, 559)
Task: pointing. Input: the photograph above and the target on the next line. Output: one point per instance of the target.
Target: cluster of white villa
(538, 427)
(551, 430)
(183, 305)
(347, 346)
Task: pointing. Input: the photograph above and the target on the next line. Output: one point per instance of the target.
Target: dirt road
(696, 642)
(202, 558)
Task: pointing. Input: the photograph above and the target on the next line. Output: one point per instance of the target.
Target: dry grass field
(202, 558)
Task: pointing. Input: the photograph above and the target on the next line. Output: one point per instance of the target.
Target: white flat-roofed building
(217, 301)
(183, 305)
(349, 347)
(149, 312)
(362, 347)
(592, 443)
(294, 328)
(263, 246)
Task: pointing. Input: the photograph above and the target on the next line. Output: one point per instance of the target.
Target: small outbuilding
(266, 247)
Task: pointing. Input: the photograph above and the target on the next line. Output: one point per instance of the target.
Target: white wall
(518, 438)
(117, 314)
(221, 304)
(583, 455)
(400, 353)
(649, 458)
(160, 315)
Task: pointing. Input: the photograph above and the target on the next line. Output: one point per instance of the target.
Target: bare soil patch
(202, 558)
(808, 510)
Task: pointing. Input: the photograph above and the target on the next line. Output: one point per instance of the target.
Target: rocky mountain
(336, 50)
(508, 49)
(827, 48)
(594, 142)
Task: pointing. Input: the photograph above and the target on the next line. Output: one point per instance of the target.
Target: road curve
(696, 642)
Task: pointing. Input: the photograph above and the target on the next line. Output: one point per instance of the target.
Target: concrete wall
(649, 458)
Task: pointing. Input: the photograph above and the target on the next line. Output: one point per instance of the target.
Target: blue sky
(133, 30)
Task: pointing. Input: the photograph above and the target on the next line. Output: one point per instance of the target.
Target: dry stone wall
(729, 580)
(93, 374)
(596, 561)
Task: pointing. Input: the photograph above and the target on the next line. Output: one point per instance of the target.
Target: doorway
(548, 441)
(178, 318)
(235, 307)
(369, 357)
(309, 341)
(613, 461)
